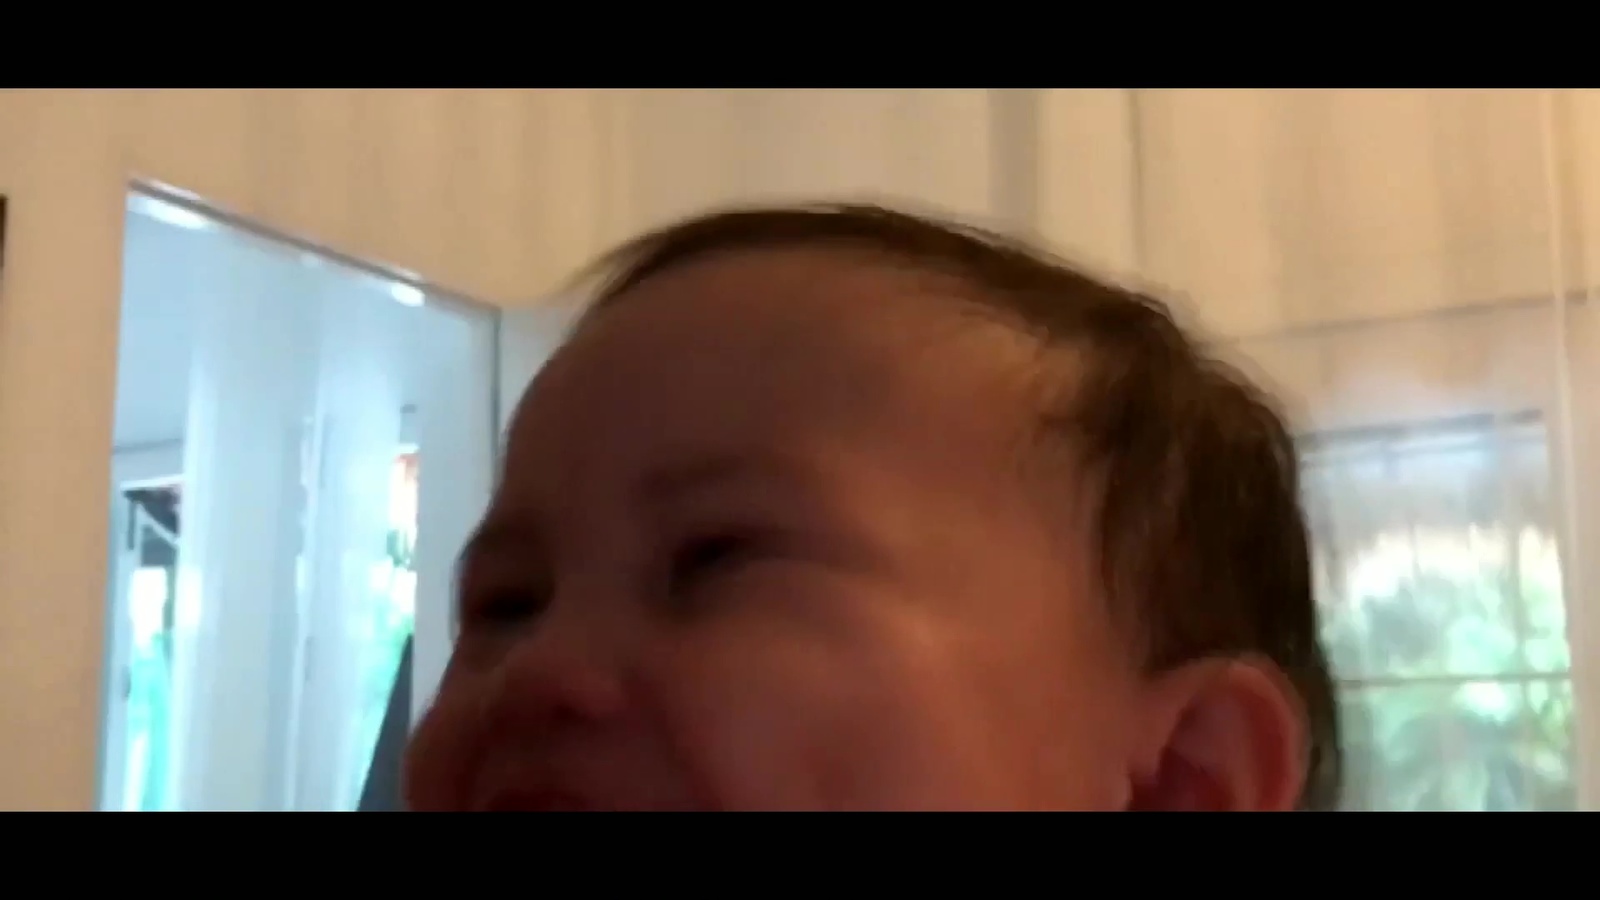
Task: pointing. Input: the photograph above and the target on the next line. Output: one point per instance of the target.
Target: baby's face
(766, 540)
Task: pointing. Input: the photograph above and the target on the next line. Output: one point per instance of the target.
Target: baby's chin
(556, 799)
(540, 794)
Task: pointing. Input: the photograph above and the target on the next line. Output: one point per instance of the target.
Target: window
(1440, 581)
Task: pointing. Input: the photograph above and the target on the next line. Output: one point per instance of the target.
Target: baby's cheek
(444, 748)
(745, 723)
(919, 737)
(851, 717)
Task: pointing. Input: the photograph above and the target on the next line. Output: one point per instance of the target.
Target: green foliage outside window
(1457, 695)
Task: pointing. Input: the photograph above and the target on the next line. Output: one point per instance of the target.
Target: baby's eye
(502, 608)
(710, 555)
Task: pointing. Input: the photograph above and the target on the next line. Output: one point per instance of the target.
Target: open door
(330, 431)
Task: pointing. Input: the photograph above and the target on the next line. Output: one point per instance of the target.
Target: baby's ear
(1222, 736)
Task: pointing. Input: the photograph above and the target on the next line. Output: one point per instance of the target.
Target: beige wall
(1269, 211)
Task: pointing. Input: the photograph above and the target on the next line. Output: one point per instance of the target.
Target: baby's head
(841, 508)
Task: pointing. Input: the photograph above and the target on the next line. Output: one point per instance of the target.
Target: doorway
(277, 537)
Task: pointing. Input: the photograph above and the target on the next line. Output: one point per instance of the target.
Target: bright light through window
(147, 602)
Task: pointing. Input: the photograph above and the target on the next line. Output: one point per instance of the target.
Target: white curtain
(236, 622)
(355, 441)
(1406, 267)
(293, 431)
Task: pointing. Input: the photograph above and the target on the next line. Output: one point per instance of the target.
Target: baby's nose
(568, 670)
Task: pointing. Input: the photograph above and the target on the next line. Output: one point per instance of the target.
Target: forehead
(779, 346)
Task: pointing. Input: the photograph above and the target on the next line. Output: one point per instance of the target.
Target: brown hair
(1199, 519)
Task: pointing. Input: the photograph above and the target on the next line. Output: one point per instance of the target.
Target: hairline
(1050, 389)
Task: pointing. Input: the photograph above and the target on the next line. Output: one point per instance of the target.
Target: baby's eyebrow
(667, 482)
(495, 537)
